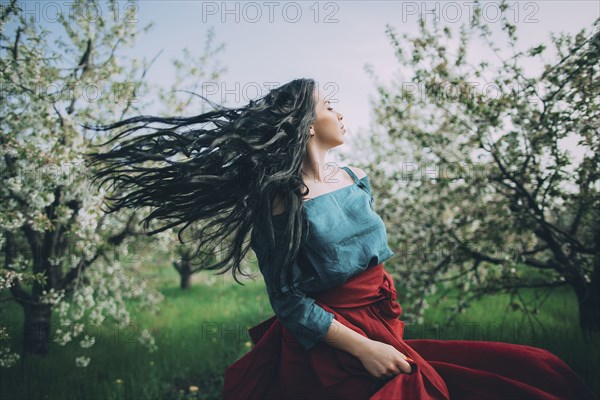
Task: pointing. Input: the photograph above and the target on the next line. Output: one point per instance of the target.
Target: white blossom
(52, 296)
(148, 340)
(7, 278)
(87, 342)
(82, 361)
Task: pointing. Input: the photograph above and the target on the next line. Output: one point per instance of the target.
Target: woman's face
(328, 128)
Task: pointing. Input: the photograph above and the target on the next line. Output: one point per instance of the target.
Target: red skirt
(277, 367)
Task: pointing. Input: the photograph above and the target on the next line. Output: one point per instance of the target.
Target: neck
(314, 164)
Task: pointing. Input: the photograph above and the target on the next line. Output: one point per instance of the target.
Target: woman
(320, 246)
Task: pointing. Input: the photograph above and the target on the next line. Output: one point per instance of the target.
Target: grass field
(201, 331)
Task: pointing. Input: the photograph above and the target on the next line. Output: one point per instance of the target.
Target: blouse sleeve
(307, 321)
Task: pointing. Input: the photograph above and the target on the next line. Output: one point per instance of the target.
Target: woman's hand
(382, 360)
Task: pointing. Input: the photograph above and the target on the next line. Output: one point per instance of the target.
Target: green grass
(556, 329)
(202, 330)
(198, 332)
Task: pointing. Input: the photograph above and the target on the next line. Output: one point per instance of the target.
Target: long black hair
(225, 177)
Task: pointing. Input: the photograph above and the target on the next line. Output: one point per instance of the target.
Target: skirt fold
(277, 367)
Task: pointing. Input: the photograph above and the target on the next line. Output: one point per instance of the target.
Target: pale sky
(270, 43)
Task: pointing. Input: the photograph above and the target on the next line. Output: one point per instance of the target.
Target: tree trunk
(589, 313)
(186, 279)
(37, 328)
(588, 297)
(184, 267)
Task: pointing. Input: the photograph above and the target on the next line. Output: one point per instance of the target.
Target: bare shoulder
(358, 172)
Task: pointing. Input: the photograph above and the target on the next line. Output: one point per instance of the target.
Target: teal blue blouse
(345, 236)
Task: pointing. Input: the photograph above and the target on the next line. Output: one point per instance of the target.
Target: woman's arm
(380, 359)
(344, 338)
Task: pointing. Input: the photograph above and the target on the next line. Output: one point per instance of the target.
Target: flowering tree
(60, 250)
(485, 196)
